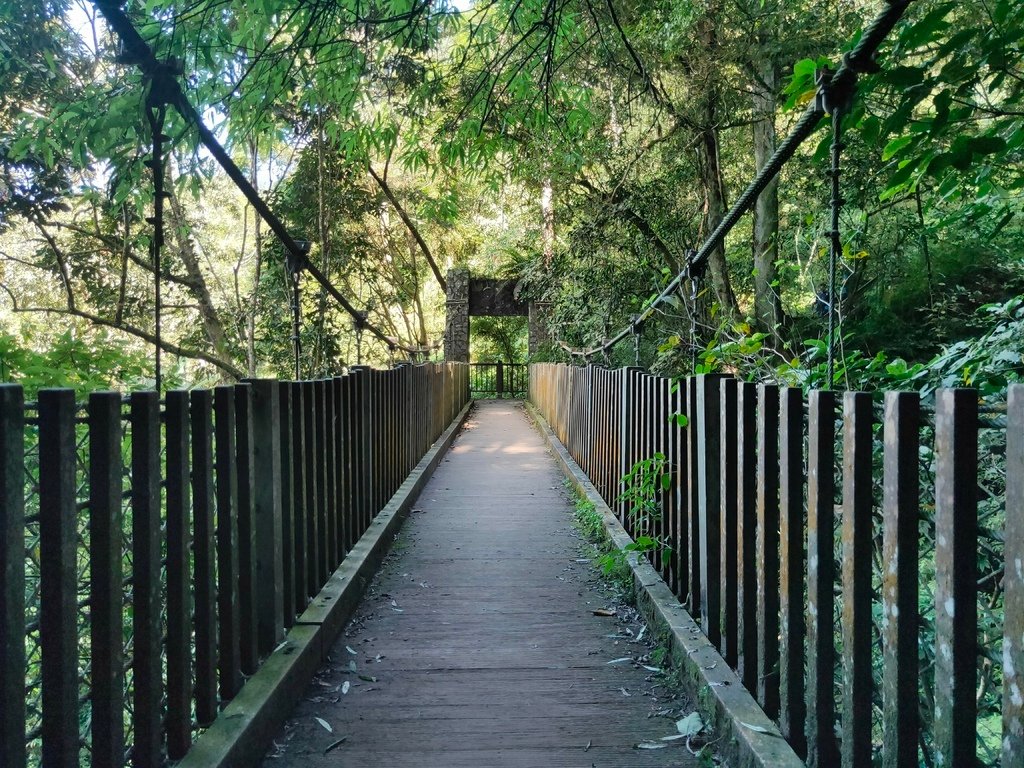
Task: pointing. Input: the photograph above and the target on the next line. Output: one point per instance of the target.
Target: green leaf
(893, 147)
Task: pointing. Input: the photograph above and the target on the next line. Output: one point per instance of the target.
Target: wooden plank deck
(477, 644)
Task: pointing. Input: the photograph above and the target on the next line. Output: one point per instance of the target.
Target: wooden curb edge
(747, 737)
(240, 735)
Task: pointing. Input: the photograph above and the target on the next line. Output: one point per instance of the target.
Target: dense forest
(578, 146)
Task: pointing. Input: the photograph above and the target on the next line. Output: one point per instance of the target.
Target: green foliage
(83, 362)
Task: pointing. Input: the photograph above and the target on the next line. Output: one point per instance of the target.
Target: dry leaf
(325, 724)
(604, 612)
(690, 725)
(340, 741)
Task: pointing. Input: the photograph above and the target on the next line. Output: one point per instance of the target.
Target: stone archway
(486, 297)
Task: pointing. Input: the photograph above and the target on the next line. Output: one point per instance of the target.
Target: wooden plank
(358, 453)
(768, 550)
(106, 592)
(328, 459)
(286, 443)
(681, 540)
(320, 465)
(311, 455)
(1013, 584)
(792, 701)
(667, 430)
(299, 509)
(694, 454)
(58, 576)
(394, 409)
(147, 661)
(376, 433)
(956, 577)
(339, 387)
(900, 510)
(728, 491)
(178, 721)
(12, 574)
(228, 660)
(856, 622)
(709, 511)
(244, 453)
(746, 534)
(822, 746)
(267, 517)
(348, 464)
(203, 554)
(625, 404)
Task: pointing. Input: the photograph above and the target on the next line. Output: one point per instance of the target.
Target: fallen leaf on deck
(587, 748)
(368, 678)
(690, 725)
(604, 612)
(350, 650)
(650, 745)
(617, 661)
(325, 724)
(340, 741)
(344, 687)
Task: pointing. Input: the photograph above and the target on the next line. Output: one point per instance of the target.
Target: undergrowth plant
(643, 487)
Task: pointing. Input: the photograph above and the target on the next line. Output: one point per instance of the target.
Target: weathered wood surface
(477, 644)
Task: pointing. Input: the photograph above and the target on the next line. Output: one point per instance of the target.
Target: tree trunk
(711, 170)
(190, 259)
(767, 301)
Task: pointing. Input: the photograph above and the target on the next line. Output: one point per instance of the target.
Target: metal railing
(809, 537)
(499, 380)
(144, 541)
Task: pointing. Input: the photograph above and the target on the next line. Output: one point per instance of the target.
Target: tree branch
(411, 226)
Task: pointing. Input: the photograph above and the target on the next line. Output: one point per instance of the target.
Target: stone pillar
(456, 326)
(539, 330)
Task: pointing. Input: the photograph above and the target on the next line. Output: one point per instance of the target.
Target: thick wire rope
(156, 112)
(835, 243)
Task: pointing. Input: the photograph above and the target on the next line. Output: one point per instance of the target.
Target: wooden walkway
(477, 644)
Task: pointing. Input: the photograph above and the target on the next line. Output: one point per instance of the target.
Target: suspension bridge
(191, 577)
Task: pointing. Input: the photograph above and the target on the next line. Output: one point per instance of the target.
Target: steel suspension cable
(156, 112)
(835, 243)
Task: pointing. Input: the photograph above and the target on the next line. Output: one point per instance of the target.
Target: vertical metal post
(856, 623)
(12, 566)
(900, 720)
(1013, 582)
(147, 657)
(266, 427)
(822, 747)
(768, 549)
(203, 507)
(956, 577)
(58, 604)
(179, 620)
(106, 588)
